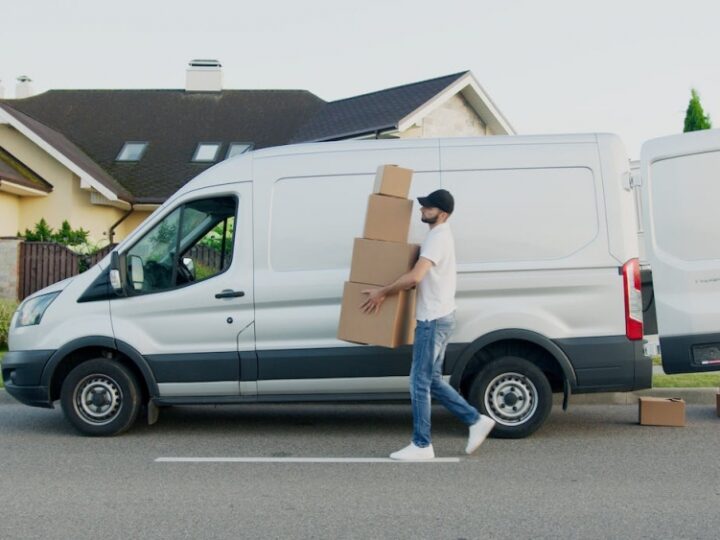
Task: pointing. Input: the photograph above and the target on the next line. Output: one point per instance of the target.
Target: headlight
(32, 311)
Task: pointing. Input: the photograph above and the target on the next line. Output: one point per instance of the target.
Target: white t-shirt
(436, 291)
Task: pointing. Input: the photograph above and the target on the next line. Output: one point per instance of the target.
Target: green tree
(695, 117)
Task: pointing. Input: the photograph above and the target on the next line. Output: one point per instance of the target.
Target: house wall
(455, 118)
(66, 201)
(9, 263)
(9, 214)
(130, 224)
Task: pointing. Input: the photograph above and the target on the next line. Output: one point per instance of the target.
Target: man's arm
(407, 281)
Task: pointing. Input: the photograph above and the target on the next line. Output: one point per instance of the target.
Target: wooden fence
(44, 263)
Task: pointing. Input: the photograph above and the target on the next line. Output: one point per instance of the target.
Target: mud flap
(566, 394)
(153, 412)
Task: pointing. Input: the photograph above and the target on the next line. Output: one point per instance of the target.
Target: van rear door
(681, 197)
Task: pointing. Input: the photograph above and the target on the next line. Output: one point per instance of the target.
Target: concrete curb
(692, 396)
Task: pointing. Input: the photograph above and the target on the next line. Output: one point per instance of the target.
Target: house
(105, 159)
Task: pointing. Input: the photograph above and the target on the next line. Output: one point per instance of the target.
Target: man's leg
(420, 381)
(442, 391)
(479, 425)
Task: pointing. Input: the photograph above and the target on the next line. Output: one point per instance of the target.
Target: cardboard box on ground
(379, 258)
(662, 411)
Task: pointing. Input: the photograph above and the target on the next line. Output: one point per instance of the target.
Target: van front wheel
(515, 393)
(100, 398)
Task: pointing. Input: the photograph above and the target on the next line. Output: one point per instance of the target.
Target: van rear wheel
(515, 393)
(100, 398)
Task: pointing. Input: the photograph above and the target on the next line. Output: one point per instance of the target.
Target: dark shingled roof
(173, 122)
(91, 126)
(372, 112)
(69, 150)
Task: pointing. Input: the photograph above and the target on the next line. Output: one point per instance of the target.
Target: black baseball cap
(439, 199)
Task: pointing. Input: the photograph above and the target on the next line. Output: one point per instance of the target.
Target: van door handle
(229, 293)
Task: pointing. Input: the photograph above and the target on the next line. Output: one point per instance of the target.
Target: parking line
(297, 460)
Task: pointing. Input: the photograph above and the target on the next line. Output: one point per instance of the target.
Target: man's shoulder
(441, 231)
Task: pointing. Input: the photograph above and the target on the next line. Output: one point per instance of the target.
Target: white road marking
(296, 460)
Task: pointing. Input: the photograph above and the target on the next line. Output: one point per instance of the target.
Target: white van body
(546, 238)
(680, 190)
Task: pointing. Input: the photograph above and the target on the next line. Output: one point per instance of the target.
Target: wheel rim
(98, 399)
(511, 399)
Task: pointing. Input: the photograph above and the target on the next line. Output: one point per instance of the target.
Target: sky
(551, 66)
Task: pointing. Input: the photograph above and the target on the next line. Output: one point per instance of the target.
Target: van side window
(192, 243)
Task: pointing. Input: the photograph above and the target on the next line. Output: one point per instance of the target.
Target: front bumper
(22, 372)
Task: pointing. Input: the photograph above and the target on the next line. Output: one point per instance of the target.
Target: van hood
(55, 287)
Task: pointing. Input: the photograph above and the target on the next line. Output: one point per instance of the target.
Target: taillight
(633, 299)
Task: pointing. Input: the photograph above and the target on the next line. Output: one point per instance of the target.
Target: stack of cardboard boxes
(378, 259)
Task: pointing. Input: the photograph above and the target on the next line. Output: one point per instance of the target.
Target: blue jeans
(431, 339)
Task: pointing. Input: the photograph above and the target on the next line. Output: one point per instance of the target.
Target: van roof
(240, 167)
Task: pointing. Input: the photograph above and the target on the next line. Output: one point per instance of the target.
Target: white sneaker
(413, 453)
(478, 433)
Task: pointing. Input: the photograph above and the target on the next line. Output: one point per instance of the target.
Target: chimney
(23, 87)
(203, 76)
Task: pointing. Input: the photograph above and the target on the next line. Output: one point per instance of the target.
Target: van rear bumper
(608, 364)
(21, 373)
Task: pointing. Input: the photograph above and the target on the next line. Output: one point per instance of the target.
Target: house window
(132, 151)
(206, 151)
(237, 148)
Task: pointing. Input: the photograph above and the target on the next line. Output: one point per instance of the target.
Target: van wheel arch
(78, 351)
(551, 360)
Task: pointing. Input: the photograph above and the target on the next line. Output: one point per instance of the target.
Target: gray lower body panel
(608, 364)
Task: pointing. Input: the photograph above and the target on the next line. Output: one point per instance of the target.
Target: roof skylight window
(235, 149)
(206, 152)
(132, 151)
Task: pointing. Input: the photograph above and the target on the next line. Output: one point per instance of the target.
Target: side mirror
(137, 272)
(190, 265)
(116, 274)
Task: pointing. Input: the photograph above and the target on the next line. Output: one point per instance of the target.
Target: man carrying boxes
(434, 275)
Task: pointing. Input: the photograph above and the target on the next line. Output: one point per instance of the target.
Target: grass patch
(657, 361)
(687, 380)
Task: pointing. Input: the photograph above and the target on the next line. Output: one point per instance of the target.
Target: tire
(515, 393)
(100, 398)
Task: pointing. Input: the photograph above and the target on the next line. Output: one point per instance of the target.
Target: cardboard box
(662, 411)
(393, 181)
(388, 219)
(380, 263)
(392, 326)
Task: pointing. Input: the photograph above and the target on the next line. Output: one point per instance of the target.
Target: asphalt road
(589, 473)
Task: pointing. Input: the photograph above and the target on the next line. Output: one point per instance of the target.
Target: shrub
(7, 308)
(66, 235)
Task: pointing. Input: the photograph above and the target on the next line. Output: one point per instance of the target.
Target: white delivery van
(230, 292)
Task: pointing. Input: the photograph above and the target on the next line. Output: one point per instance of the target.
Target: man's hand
(374, 300)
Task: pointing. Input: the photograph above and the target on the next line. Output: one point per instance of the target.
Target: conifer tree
(695, 117)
